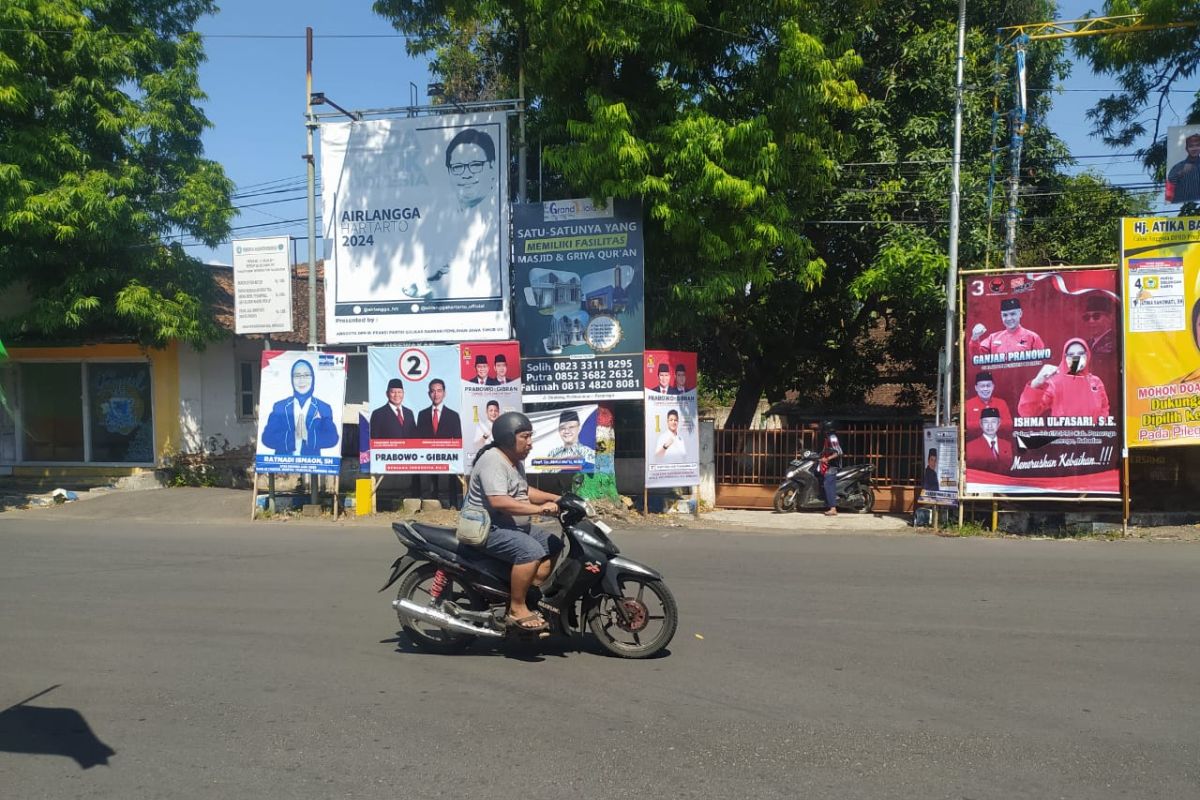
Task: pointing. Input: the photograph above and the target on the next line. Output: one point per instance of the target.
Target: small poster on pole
(672, 433)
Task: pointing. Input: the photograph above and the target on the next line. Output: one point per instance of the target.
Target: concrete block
(410, 505)
(430, 505)
(311, 509)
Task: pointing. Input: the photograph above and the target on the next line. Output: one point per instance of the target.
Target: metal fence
(750, 457)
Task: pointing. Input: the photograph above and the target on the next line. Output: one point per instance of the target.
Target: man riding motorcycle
(498, 486)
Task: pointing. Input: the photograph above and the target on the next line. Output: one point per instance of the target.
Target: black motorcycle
(452, 594)
(802, 487)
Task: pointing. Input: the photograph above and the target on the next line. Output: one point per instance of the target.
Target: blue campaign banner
(416, 426)
(302, 431)
(580, 301)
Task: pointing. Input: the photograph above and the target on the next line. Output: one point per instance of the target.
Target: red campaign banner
(669, 371)
(1042, 383)
(490, 363)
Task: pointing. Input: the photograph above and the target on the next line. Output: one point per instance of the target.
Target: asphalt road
(180, 651)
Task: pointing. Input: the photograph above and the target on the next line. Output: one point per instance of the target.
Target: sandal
(831, 512)
(534, 623)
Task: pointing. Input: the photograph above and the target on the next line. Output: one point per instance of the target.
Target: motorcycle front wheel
(785, 498)
(643, 625)
(416, 587)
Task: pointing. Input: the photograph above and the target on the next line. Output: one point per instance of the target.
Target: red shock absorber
(440, 581)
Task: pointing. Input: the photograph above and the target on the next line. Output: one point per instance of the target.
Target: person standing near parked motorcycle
(498, 486)
(831, 459)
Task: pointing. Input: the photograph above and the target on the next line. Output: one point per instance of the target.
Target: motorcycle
(802, 487)
(453, 594)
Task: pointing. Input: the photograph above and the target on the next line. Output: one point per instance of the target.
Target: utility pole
(955, 191)
(310, 159)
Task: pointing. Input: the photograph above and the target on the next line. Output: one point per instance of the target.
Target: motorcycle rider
(831, 459)
(498, 485)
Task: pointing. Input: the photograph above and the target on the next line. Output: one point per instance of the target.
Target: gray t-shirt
(493, 474)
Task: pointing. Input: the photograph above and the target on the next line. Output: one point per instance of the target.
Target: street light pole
(955, 189)
(310, 159)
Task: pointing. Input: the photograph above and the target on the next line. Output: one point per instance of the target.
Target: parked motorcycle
(802, 487)
(452, 594)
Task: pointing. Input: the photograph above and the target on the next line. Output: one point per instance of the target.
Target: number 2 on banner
(414, 364)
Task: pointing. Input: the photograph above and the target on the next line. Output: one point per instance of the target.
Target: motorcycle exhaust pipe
(443, 620)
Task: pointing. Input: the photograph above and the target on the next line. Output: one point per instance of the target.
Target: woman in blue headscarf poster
(302, 432)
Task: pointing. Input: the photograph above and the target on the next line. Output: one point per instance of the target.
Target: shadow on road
(51, 731)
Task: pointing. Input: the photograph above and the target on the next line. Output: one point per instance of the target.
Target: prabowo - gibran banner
(1042, 368)
(672, 433)
(300, 412)
(1160, 264)
(416, 216)
(416, 426)
(491, 386)
(580, 310)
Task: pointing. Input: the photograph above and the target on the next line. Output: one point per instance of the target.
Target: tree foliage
(100, 161)
(1147, 66)
(794, 160)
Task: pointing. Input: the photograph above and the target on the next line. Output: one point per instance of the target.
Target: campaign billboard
(672, 444)
(1160, 269)
(416, 428)
(1183, 164)
(415, 213)
(262, 285)
(564, 440)
(491, 386)
(302, 432)
(580, 300)
(939, 482)
(1041, 374)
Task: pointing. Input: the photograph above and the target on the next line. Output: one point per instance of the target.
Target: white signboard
(262, 285)
(416, 211)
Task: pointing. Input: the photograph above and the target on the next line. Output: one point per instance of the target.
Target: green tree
(725, 118)
(100, 162)
(1147, 66)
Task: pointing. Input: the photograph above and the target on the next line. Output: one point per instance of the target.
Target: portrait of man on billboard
(1183, 156)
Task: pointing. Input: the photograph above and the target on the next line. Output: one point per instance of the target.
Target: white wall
(208, 396)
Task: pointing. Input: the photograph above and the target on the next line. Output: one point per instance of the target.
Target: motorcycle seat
(445, 540)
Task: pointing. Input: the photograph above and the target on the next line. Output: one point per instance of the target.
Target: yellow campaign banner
(1160, 266)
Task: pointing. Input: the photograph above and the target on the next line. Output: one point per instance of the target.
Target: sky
(255, 87)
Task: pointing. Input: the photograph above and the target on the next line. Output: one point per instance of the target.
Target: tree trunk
(745, 402)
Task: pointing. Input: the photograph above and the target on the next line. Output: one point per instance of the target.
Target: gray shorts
(522, 547)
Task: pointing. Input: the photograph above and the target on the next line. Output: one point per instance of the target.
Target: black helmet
(507, 426)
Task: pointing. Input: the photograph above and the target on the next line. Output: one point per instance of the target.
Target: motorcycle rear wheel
(415, 587)
(613, 631)
(868, 501)
(785, 498)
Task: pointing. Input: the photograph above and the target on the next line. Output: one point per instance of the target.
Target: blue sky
(256, 98)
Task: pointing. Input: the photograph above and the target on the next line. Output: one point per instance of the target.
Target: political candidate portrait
(568, 432)
(437, 421)
(669, 447)
(985, 397)
(664, 379)
(680, 384)
(988, 451)
(1183, 179)
(301, 424)
(471, 165)
(930, 482)
(392, 420)
(1067, 390)
(481, 372)
(500, 364)
(1099, 323)
(1012, 338)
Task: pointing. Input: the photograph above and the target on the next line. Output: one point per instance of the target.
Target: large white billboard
(416, 212)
